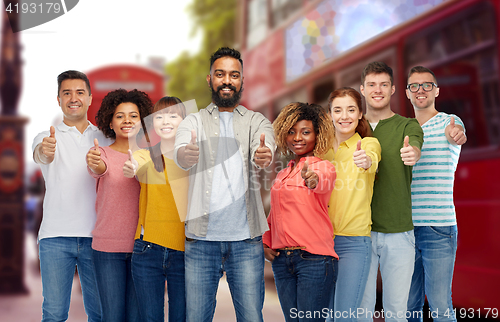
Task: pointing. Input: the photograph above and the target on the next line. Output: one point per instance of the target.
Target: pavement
(27, 308)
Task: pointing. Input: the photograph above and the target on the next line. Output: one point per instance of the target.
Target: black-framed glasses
(428, 86)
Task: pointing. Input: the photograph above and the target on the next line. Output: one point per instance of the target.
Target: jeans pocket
(141, 246)
(254, 241)
(312, 257)
(445, 231)
(191, 240)
(410, 237)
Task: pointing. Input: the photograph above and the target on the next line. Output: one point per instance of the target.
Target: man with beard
(223, 146)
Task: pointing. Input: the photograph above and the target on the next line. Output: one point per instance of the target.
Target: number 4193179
(473, 313)
(33, 7)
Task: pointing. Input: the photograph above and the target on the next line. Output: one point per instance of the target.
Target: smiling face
(301, 139)
(226, 82)
(166, 124)
(422, 99)
(346, 115)
(377, 90)
(124, 120)
(74, 100)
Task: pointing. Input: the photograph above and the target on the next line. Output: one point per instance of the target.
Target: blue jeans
(116, 288)
(152, 264)
(434, 262)
(396, 255)
(305, 283)
(58, 257)
(355, 253)
(243, 262)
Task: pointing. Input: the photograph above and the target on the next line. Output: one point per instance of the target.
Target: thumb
(130, 157)
(358, 147)
(452, 121)
(406, 142)
(96, 144)
(262, 141)
(193, 137)
(305, 167)
(52, 132)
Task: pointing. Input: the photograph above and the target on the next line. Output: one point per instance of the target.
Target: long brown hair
(167, 104)
(363, 128)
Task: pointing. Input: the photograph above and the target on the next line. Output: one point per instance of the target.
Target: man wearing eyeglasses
(393, 243)
(432, 199)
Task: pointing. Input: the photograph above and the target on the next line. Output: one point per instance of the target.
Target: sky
(93, 34)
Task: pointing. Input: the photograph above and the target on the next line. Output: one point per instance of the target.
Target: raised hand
(263, 155)
(361, 160)
(94, 157)
(49, 144)
(408, 154)
(192, 151)
(456, 133)
(310, 177)
(130, 166)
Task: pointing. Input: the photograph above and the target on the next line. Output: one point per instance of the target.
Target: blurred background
(293, 50)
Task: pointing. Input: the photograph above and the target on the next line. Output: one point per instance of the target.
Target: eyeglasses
(413, 87)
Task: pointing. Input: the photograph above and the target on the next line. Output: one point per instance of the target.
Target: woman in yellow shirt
(355, 155)
(159, 240)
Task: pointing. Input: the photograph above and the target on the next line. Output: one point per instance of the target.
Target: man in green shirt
(393, 242)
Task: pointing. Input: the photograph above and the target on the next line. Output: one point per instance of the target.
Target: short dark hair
(226, 52)
(421, 70)
(114, 98)
(72, 74)
(376, 67)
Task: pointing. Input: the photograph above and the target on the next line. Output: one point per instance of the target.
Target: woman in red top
(300, 240)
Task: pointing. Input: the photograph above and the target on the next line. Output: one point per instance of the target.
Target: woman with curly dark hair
(299, 242)
(117, 203)
(159, 240)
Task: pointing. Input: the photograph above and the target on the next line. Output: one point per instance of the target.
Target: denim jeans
(152, 264)
(355, 253)
(434, 262)
(116, 288)
(305, 283)
(396, 255)
(58, 257)
(243, 262)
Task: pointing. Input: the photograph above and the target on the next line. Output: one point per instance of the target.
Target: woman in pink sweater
(117, 203)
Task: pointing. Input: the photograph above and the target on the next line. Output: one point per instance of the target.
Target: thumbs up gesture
(455, 133)
(94, 158)
(408, 154)
(192, 151)
(310, 177)
(361, 160)
(49, 144)
(263, 155)
(130, 167)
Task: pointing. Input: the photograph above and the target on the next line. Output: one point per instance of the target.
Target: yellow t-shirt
(349, 206)
(162, 202)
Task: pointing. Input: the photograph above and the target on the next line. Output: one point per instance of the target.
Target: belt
(292, 248)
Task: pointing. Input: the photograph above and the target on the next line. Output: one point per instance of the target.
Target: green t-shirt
(391, 203)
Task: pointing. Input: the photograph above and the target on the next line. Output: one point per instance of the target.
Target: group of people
(152, 194)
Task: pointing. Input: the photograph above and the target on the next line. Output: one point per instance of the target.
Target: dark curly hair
(295, 112)
(113, 99)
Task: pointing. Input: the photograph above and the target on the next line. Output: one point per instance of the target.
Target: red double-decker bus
(298, 50)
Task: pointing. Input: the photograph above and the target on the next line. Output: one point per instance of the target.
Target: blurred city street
(27, 308)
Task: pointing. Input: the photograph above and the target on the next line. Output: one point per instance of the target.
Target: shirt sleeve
(415, 133)
(373, 150)
(326, 175)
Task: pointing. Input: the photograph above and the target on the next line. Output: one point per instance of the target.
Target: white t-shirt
(69, 203)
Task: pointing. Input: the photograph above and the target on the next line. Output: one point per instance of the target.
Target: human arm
(319, 176)
(130, 167)
(262, 144)
(412, 143)
(185, 137)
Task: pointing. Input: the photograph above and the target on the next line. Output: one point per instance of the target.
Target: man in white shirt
(69, 214)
